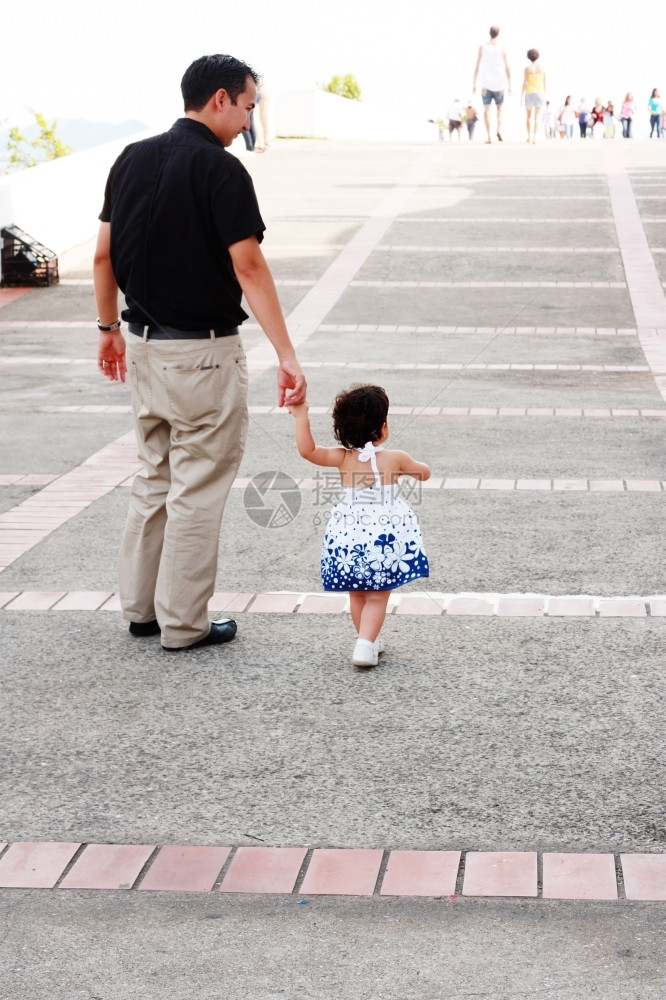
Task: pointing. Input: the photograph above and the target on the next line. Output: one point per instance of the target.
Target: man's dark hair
(494, 31)
(532, 55)
(359, 413)
(211, 73)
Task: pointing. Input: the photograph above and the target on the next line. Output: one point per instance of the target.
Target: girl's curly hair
(359, 413)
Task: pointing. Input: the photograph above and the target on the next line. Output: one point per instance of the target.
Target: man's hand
(291, 383)
(111, 356)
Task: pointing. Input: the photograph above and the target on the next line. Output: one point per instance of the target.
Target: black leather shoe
(144, 628)
(222, 630)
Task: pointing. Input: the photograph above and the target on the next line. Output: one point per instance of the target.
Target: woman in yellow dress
(534, 92)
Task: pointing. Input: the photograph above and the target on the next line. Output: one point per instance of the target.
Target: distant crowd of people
(601, 120)
(598, 121)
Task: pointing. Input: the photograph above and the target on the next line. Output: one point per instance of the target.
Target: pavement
(483, 814)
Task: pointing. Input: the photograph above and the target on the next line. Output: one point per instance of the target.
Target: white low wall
(57, 203)
(317, 114)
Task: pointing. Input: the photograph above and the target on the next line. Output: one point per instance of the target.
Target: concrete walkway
(483, 814)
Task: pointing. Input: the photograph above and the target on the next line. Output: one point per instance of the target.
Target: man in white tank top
(495, 76)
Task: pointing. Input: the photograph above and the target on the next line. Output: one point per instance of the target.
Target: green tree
(344, 86)
(23, 152)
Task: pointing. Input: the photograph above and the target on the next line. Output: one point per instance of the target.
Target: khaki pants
(189, 399)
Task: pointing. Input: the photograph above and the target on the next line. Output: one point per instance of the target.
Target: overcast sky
(111, 60)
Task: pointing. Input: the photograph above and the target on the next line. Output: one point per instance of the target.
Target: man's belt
(152, 332)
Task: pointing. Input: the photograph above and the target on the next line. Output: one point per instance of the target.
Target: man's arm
(259, 289)
(476, 70)
(111, 348)
(506, 69)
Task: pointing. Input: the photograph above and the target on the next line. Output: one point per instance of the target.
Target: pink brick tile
(234, 603)
(82, 600)
(596, 413)
(570, 606)
(34, 600)
(567, 412)
(519, 607)
(644, 485)
(10, 480)
(318, 604)
(644, 876)
(7, 596)
(579, 876)
(264, 869)
(625, 413)
(344, 872)
(653, 413)
(35, 865)
(570, 484)
(421, 873)
(621, 607)
(8, 295)
(434, 483)
(481, 411)
(496, 484)
(533, 484)
(469, 606)
(658, 608)
(461, 484)
(107, 866)
(606, 485)
(512, 411)
(418, 604)
(498, 874)
(185, 869)
(37, 480)
(540, 411)
(455, 411)
(113, 604)
(281, 603)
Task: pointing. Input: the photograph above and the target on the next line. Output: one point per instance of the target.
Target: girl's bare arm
(408, 466)
(306, 444)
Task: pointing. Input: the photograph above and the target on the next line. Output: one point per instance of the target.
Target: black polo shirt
(176, 202)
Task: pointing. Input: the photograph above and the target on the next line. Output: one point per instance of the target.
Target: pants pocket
(194, 392)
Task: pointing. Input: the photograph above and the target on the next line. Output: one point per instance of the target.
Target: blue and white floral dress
(373, 540)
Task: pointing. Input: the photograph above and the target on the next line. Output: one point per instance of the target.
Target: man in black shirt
(179, 236)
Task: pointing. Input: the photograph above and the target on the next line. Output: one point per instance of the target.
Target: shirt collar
(197, 128)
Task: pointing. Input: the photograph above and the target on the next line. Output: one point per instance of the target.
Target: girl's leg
(537, 112)
(373, 614)
(356, 603)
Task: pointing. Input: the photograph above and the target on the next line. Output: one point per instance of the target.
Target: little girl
(372, 542)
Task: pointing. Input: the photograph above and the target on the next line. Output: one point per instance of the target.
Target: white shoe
(365, 654)
(379, 645)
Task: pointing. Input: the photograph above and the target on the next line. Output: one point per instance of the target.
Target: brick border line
(419, 411)
(370, 366)
(439, 604)
(487, 284)
(577, 331)
(645, 286)
(302, 871)
(466, 249)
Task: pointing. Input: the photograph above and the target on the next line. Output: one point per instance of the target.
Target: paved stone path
(511, 742)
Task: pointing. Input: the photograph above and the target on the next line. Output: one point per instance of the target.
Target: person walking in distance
(372, 542)
(627, 115)
(654, 107)
(492, 65)
(534, 93)
(179, 235)
(471, 119)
